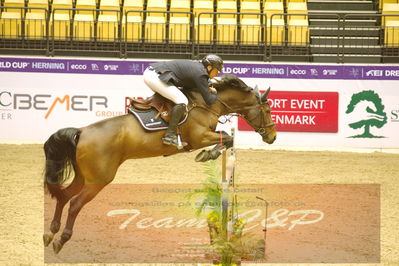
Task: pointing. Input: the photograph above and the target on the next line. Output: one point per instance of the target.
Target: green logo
(368, 109)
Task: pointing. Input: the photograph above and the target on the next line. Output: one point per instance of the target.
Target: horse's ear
(264, 95)
(256, 90)
(257, 93)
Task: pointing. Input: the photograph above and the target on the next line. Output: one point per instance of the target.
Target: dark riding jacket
(187, 74)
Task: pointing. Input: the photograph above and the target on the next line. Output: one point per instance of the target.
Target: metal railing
(158, 33)
(165, 34)
(24, 33)
(83, 30)
(288, 39)
(228, 33)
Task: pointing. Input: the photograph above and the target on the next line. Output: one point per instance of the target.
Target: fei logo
(367, 111)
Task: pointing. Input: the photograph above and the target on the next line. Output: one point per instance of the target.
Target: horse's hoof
(47, 238)
(214, 154)
(203, 156)
(57, 246)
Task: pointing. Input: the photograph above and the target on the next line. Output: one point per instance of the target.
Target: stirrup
(174, 140)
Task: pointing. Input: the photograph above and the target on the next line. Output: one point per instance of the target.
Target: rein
(260, 130)
(216, 114)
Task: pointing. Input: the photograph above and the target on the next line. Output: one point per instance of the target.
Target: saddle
(153, 113)
(162, 105)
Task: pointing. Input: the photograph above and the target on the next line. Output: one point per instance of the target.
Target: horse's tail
(60, 151)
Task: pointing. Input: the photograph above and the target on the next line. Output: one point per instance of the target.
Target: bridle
(262, 112)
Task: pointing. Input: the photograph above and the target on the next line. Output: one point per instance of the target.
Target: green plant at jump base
(228, 242)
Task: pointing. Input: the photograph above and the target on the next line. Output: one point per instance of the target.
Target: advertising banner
(301, 111)
(312, 105)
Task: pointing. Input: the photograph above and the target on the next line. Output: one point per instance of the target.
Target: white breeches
(168, 91)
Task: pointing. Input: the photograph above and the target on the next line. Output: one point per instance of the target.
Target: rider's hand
(213, 90)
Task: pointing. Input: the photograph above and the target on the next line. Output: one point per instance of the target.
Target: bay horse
(95, 152)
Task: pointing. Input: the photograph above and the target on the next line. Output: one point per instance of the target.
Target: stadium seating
(14, 4)
(179, 29)
(109, 5)
(132, 21)
(271, 8)
(203, 7)
(226, 7)
(390, 9)
(250, 7)
(83, 27)
(86, 4)
(275, 33)
(107, 27)
(10, 25)
(60, 26)
(62, 4)
(267, 1)
(297, 8)
(391, 36)
(391, 24)
(226, 30)
(133, 5)
(156, 5)
(35, 25)
(131, 28)
(250, 31)
(298, 32)
(382, 2)
(38, 4)
(204, 32)
(155, 29)
(180, 6)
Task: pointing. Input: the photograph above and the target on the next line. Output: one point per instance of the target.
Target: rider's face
(213, 72)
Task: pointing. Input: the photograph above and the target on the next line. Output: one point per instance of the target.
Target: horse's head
(237, 97)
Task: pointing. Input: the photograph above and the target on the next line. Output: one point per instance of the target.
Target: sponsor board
(261, 70)
(294, 111)
(43, 112)
(72, 66)
(371, 114)
(41, 90)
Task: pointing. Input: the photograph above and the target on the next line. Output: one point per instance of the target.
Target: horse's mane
(231, 81)
(222, 84)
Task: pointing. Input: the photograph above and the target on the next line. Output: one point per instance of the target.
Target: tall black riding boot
(176, 115)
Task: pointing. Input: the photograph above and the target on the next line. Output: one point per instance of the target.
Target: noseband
(262, 113)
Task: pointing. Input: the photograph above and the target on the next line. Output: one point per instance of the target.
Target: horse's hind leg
(73, 189)
(87, 194)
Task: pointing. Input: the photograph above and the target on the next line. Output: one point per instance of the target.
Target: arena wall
(330, 106)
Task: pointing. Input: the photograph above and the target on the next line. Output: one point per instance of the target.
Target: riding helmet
(214, 61)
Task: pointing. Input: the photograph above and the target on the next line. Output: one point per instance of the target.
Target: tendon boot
(176, 115)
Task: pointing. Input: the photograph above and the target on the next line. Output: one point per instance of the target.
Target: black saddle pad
(148, 120)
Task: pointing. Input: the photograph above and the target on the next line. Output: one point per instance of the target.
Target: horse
(95, 152)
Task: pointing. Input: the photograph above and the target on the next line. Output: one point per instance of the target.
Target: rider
(165, 78)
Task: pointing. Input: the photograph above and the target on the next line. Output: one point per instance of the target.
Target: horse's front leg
(223, 141)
